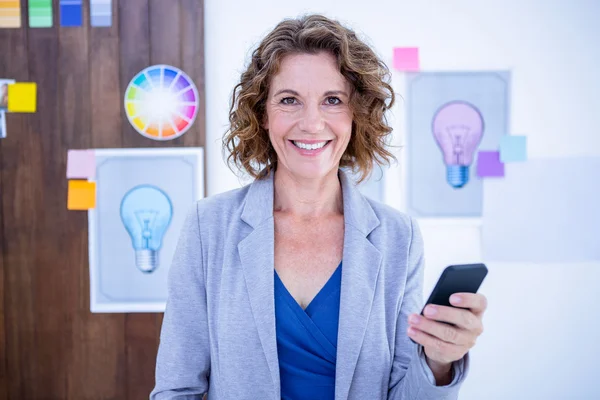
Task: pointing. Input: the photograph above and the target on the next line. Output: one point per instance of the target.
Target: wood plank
(134, 43)
(3, 342)
(17, 300)
(165, 35)
(5, 37)
(105, 90)
(141, 354)
(192, 50)
(98, 370)
(12, 65)
(51, 279)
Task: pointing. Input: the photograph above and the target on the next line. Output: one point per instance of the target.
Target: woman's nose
(312, 120)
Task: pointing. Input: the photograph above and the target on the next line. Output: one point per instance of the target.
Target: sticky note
(82, 195)
(10, 14)
(70, 12)
(543, 211)
(40, 13)
(406, 59)
(81, 164)
(100, 13)
(22, 97)
(489, 164)
(513, 148)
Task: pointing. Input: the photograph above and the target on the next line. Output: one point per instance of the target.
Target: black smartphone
(464, 278)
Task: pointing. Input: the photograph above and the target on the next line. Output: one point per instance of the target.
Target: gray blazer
(218, 332)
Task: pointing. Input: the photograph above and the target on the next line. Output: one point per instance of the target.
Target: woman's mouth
(310, 148)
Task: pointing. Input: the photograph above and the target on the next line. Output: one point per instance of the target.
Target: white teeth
(309, 146)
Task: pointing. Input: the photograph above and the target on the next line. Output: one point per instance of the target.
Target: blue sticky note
(543, 211)
(513, 148)
(70, 13)
(101, 13)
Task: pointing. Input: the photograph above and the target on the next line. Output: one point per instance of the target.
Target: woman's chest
(306, 256)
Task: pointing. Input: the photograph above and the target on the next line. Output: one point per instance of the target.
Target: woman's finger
(442, 331)
(436, 349)
(462, 318)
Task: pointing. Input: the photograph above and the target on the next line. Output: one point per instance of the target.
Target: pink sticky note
(81, 164)
(406, 59)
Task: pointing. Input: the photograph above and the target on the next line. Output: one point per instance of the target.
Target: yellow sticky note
(82, 195)
(22, 97)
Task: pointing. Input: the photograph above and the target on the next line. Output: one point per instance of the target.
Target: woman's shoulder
(219, 206)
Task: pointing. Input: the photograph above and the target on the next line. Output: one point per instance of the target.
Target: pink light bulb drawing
(458, 128)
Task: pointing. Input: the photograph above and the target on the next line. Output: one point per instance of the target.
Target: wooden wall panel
(3, 354)
(51, 346)
(99, 370)
(192, 62)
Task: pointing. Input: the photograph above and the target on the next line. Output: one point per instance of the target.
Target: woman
(296, 286)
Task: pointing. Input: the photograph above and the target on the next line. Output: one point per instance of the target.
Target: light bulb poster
(161, 102)
(450, 117)
(142, 199)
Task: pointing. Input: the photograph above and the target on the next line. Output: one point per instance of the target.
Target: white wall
(542, 331)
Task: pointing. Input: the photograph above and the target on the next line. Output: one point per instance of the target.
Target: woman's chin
(309, 173)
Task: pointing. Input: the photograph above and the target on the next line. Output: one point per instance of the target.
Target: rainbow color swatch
(161, 102)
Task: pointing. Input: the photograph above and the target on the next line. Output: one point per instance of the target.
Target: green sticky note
(40, 13)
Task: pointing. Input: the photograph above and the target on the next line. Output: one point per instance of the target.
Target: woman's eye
(285, 100)
(335, 102)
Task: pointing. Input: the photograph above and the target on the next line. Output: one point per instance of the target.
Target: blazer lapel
(362, 262)
(257, 257)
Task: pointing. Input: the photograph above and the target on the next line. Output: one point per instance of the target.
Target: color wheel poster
(142, 199)
(161, 102)
(451, 117)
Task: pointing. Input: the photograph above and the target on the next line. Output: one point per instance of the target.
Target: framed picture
(4, 93)
(142, 198)
(2, 124)
(451, 117)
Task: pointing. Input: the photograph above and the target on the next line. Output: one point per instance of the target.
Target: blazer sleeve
(411, 377)
(183, 361)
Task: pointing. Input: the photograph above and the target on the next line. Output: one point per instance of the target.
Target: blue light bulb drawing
(146, 212)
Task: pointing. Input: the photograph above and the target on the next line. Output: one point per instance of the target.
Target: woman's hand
(444, 343)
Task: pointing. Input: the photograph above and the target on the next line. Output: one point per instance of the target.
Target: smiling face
(308, 116)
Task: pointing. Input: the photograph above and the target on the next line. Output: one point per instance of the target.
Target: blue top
(307, 341)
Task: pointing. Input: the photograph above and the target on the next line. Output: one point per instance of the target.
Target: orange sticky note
(22, 97)
(82, 195)
(10, 14)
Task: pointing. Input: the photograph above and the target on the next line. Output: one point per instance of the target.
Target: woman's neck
(307, 198)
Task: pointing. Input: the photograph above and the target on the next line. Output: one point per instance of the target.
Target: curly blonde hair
(247, 142)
